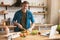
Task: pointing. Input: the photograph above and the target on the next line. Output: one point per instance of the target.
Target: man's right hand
(20, 26)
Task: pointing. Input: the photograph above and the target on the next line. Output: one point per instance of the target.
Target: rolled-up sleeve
(32, 18)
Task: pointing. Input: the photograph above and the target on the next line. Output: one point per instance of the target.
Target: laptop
(52, 32)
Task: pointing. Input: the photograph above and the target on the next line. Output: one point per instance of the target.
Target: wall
(49, 11)
(8, 1)
(59, 11)
(12, 10)
(53, 11)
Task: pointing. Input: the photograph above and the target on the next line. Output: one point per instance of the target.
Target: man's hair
(25, 2)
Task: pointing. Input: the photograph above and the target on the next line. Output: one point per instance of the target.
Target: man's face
(25, 6)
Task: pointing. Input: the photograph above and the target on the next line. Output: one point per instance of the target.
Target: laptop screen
(53, 32)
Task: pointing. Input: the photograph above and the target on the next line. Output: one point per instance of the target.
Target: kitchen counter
(16, 36)
(9, 36)
(37, 37)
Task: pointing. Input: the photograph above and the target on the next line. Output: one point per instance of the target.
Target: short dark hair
(25, 2)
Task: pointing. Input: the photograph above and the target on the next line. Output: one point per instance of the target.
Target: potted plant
(58, 29)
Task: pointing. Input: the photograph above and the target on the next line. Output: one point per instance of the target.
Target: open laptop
(52, 32)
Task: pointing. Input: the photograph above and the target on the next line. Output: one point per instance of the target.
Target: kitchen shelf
(39, 24)
(38, 6)
(43, 12)
(2, 13)
(10, 26)
(36, 13)
(4, 5)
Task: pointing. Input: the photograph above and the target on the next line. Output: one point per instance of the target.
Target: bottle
(4, 23)
(43, 4)
(8, 22)
(2, 3)
(7, 31)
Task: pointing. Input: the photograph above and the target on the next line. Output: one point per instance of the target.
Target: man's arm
(33, 22)
(15, 22)
(19, 25)
(32, 26)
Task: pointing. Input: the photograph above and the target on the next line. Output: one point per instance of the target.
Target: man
(22, 18)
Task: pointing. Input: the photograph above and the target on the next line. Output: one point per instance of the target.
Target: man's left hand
(30, 29)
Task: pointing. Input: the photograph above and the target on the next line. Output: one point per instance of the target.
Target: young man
(23, 17)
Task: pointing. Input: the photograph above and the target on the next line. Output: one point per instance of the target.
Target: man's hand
(32, 26)
(30, 29)
(19, 25)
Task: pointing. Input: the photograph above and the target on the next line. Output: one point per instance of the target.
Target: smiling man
(23, 17)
